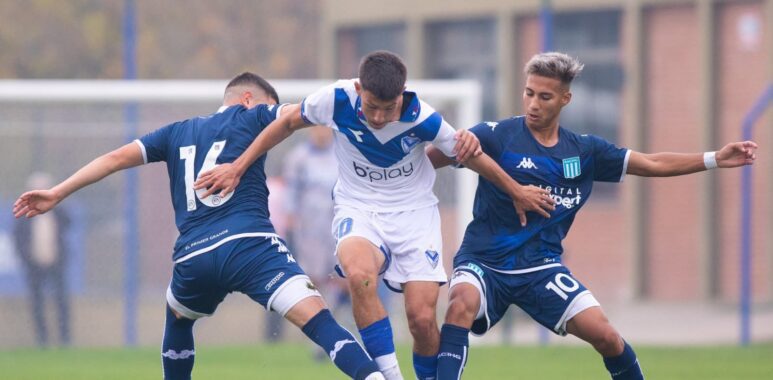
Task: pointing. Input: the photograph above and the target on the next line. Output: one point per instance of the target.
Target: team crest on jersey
(571, 167)
(492, 124)
(433, 257)
(409, 142)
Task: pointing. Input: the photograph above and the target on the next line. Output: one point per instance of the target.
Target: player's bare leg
(361, 261)
(421, 312)
(463, 305)
(314, 319)
(592, 326)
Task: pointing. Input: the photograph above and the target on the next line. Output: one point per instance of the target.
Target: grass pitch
(295, 361)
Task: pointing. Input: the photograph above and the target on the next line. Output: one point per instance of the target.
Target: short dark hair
(383, 74)
(250, 79)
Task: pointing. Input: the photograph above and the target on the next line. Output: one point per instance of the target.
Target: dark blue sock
(340, 345)
(425, 366)
(378, 339)
(454, 341)
(177, 351)
(624, 366)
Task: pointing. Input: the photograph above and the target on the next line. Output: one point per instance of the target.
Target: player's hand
(467, 145)
(533, 198)
(223, 178)
(737, 154)
(35, 202)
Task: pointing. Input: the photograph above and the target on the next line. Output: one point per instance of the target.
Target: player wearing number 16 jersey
(502, 262)
(226, 243)
(386, 218)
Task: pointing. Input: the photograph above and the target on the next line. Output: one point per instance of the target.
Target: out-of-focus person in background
(43, 253)
(310, 172)
(273, 327)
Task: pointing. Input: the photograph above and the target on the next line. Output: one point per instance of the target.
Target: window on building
(464, 50)
(594, 38)
(354, 43)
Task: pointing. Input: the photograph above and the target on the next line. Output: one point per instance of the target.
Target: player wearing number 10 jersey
(226, 243)
(501, 262)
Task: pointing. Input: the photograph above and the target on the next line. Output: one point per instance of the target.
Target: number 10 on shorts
(562, 284)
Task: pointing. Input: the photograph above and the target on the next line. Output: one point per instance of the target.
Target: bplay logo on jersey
(379, 174)
(526, 163)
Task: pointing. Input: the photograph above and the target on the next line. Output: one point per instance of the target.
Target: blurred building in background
(660, 75)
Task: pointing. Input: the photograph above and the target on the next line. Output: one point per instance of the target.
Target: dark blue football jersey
(193, 146)
(495, 237)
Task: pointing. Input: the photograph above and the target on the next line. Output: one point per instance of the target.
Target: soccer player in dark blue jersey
(226, 243)
(503, 262)
(386, 219)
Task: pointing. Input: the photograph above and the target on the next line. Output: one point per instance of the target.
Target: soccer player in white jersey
(226, 244)
(386, 219)
(502, 262)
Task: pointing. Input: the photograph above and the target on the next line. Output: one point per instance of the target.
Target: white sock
(389, 366)
(375, 376)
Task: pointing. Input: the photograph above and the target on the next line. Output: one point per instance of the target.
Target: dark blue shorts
(550, 296)
(255, 266)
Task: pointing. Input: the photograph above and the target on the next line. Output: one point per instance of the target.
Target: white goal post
(464, 96)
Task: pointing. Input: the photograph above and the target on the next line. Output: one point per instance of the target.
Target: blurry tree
(176, 39)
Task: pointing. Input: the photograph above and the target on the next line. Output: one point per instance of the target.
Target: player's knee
(461, 312)
(361, 281)
(175, 318)
(610, 343)
(422, 322)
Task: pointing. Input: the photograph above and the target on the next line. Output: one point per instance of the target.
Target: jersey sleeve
(489, 141)
(155, 145)
(265, 113)
(318, 107)
(609, 161)
(444, 140)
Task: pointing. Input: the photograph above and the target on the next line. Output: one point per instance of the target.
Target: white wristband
(710, 160)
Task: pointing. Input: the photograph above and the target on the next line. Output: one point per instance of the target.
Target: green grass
(294, 361)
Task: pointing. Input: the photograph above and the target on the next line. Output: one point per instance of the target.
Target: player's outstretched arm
(667, 164)
(225, 177)
(37, 202)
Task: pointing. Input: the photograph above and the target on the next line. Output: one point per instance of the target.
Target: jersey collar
(410, 114)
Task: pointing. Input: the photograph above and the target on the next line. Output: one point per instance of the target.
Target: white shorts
(410, 240)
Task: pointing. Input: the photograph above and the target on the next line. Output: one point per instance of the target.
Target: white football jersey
(382, 170)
